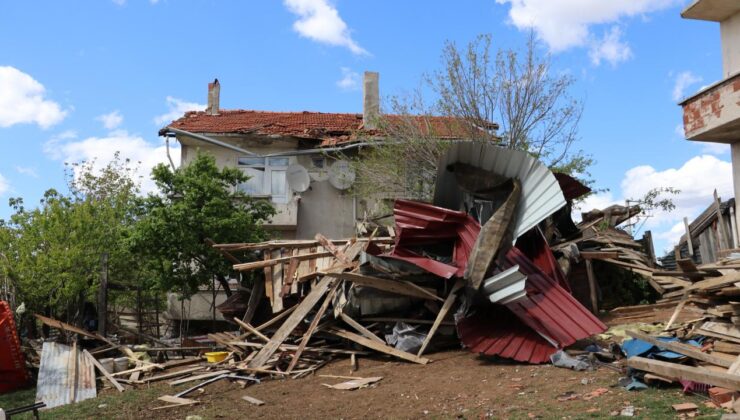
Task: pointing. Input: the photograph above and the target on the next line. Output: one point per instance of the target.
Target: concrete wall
(321, 209)
(730, 33)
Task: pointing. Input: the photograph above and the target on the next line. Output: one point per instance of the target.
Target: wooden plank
(292, 347)
(406, 320)
(685, 349)
(442, 314)
(71, 328)
(312, 327)
(275, 261)
(720, 223)
(684, 372)
(598, 255)
(366, 342)
(171, 375)
(293, 320)
(251, 329)
(268, 278)
(725, 347)
(722, 328)
(688, 236)
(300, 243)
(333, 250)
(258, 291)
(360, 328)
(679, 307)
(392, 286)
(717, 282)
(176, 400)
(253, 401)
(592, 287)
(198, 377)
(277, 284)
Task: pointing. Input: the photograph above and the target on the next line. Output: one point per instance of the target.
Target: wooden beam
(391, 286)
(71, 328)
(366, 342)
(688, 236)
(336, 252)
(312, 327)
(690, 373)
(198, 377)
(293, 320)
(275, 261)
(442, 314)
(716, 282)
(360, 328)
(258, 292)
(685, 349)
(678, 309)
(720, 223)
(102, 370)
(592, 287)
(599, 255)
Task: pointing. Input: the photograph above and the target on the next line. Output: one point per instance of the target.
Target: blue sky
(81, 80)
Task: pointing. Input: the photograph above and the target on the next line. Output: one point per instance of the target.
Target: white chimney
(214, 95)
(370, 99)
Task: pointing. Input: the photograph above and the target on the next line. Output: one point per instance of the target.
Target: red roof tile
(330, 128)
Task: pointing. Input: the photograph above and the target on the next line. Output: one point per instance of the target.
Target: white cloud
(4, 185)
(680, 131)
(103, 149)
(111, 120)
(350, 79)
(610, 48)
(320, 21)
(176, 109)
(23, 101)
(683, 81)
(119, 2)
(27, 170)
(697, 179)
(564, 24)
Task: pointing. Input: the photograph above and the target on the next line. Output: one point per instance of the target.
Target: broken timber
(690, 373)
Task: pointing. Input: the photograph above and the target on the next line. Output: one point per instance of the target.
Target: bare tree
(476, 91)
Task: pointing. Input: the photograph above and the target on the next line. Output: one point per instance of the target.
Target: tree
(51, 254)
(196, 202)
(476, 88)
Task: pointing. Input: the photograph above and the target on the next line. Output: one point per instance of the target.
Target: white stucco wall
(730, 33)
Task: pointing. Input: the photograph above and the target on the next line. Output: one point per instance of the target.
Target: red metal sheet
(495, 331)
(548, 308)
(572, 188)
(13, 374)
(421, 224)
(534, 245)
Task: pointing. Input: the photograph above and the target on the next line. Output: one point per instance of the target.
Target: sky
(82, 80)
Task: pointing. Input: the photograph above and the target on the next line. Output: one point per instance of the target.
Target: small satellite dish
(341, 175)
(298, 178)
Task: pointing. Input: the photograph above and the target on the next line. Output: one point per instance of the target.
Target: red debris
(13, 373)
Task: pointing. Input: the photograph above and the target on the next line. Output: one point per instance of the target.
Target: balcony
(713, 114)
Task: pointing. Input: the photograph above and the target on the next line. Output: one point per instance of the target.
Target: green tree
(196, 202)
(51, 254)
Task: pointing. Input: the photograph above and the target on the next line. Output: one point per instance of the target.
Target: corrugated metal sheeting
(13, 373)
(421, 224)
(61, 380)
(541, 194)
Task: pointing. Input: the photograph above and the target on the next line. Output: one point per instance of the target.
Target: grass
(107, 406)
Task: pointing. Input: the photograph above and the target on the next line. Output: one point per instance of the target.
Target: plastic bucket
(108, 364)
(121, 364)
(216, 356)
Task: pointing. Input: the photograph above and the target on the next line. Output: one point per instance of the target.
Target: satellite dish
(298, 178)
(341, 175)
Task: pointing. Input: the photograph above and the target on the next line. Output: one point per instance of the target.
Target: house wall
(730, 33)
(321, 209)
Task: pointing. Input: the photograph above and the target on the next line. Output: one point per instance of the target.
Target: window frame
(268, 165)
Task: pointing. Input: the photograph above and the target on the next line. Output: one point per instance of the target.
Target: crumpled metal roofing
(424, 224)
(530, 328)
(495, 331)
(541, 194)
(548, 308)
(506, 286)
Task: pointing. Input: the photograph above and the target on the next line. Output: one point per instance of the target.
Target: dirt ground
(457, 384)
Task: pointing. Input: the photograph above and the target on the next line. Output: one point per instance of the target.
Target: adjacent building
(713, 114)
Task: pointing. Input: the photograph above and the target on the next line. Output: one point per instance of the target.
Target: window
(267, 177)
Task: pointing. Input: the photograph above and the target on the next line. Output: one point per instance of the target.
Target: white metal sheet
(57, 376)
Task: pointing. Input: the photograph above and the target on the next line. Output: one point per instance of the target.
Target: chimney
(370, 100)
(214, 94)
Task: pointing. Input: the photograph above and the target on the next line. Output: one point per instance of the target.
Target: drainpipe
(211, 141)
